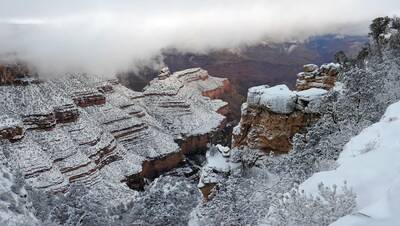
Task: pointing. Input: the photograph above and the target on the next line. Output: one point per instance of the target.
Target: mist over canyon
(104, 38)
(269, 113)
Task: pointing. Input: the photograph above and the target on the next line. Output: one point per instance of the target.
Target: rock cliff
(323, 77)
(93, 131)
(273, 115)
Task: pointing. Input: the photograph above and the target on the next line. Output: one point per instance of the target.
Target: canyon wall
(271, 116)
(96, 132)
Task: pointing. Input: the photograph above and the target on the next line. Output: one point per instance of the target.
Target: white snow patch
(310, 67)
(339, 87)
(370, 163)
(7, 122)
(311, 94)
(218, 162)
(254, 94)
(279, 99)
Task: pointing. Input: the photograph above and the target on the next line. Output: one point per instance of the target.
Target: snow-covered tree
(298, 208)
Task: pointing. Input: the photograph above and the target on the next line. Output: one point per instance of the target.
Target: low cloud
(108, 36)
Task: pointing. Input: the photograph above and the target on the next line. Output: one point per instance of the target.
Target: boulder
(254, 94)
(279, 99)
(164, 73)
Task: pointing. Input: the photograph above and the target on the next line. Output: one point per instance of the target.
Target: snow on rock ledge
(309, 100)
(312, 76)
(311, 94)
(11, 128)
(273, 115)
(278, 99)
(220, 161)
(15, 206)
(254, 94)
(370, 163)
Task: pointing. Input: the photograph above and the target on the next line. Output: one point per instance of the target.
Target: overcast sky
(106, 36)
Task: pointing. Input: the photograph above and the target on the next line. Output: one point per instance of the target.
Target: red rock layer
(268, 131)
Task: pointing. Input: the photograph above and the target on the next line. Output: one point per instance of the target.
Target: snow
(254, 94)
(13, 203)
(8, 122)
(370, 163)
(339, 87)
(218, 163)
(219, 160)
(330, 65)
(279, 99)
(311, 94)
(310, 67)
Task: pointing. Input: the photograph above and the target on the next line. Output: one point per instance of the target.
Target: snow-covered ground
(370, 164)
(218, 161)
(311, 94)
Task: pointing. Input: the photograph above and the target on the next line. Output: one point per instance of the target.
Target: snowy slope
(14, 207)
(370, 163)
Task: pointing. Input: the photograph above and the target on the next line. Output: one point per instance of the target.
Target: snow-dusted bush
(298, 208)
(168, 201)
(15, 206)
(240, 200)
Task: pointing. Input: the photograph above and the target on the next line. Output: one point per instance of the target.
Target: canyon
(264, 62)
(184, 147)
(246, 66)
(93, 131)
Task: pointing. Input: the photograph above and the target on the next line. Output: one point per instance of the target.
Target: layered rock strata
(323, 77)
(273, 115)
(94, 131)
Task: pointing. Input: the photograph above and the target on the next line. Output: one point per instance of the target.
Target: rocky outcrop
(94, 131)
(269, 131)
(219, 91)
(164, 73)
(220, 162)
(16, 74)
(273, 115)
(11, 128)
(323, 77)
(89, 98)
(66, 113)
(193, 121)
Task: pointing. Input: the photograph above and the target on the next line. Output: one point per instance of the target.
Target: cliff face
(17, 74)
(315, 77)
(273, 115)
(96, 132)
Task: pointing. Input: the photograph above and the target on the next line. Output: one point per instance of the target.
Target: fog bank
(108, 36)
